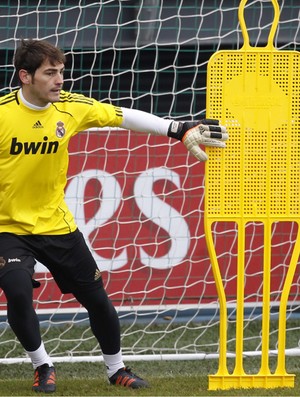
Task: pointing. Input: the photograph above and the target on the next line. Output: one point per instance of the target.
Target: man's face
(45, 85)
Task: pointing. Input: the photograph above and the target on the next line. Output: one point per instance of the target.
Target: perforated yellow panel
(255, 93)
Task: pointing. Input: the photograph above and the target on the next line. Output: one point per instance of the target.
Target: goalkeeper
(37, 122)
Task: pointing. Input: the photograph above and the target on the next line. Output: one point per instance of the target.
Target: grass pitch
(166, 378)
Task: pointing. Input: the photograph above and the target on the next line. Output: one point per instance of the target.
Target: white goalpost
(138, 199)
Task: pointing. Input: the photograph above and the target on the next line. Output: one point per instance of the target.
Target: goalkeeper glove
(206, 132)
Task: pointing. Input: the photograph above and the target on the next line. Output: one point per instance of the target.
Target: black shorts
(67, 257)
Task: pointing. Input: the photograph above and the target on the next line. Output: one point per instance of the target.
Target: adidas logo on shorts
(97, 274)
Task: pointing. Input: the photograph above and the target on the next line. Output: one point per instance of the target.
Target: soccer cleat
(44, 379)
(124, 377)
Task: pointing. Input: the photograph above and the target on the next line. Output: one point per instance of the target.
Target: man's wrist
(176, 130)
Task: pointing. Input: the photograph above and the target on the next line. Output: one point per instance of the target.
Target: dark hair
(32, 53)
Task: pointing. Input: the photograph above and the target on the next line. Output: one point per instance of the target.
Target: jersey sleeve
(105, 115)
(89, 113)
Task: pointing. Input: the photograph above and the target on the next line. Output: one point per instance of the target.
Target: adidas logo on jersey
(38, 124)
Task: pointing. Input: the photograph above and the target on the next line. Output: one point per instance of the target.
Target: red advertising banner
(138, 200)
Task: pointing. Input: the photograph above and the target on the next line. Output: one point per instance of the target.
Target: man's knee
(17, 287)
(96, 299)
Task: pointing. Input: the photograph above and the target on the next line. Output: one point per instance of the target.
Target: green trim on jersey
(34, 159)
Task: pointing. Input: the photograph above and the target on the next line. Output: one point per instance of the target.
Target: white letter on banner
(111, 197)
(162, 215)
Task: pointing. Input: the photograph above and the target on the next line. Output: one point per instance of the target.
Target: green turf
(168, 378)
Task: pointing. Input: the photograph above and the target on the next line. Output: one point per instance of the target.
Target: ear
(25, 77)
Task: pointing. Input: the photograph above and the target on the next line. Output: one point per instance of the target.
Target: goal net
(138, 199)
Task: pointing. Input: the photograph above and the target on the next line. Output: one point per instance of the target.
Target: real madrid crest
(60, 129)
(2, 262)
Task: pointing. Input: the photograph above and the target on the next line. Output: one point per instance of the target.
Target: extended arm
(206, 132)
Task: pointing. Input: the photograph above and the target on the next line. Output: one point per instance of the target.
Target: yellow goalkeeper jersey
(34, 159)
